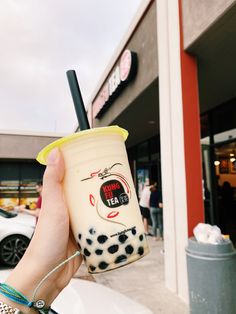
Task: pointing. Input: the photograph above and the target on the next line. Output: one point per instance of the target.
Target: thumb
(52, 194)
(55, 166)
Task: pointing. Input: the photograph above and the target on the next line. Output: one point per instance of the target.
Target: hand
(52, 242)
(21, 208)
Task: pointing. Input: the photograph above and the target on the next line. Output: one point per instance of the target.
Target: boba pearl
(140, 250)
(86, 252)
(79, 236)
(99, 252)
(92, 268)
(89, 241)
(113, 248)
(92, 231)
(119, 249)
(141, 237)
(129, 249)
(122, 238)
(120, 259)
(103, 265)
(102, 238)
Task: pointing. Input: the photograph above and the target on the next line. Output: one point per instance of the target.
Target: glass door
(219, 185)
(225, 173)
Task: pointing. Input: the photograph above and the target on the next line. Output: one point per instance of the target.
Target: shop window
(224, 118)
(143, 152)
(154, 148)
(204, 126)
(18, 181)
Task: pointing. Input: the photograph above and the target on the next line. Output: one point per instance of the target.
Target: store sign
(120, 77)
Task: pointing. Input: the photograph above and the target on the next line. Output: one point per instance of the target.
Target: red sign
(123, 73)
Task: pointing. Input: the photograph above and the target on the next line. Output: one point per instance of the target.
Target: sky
(39, 42)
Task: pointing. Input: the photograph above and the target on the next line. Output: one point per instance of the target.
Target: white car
(16, 230)
(86, 297)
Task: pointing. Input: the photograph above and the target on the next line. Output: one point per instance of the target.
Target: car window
(6, 214)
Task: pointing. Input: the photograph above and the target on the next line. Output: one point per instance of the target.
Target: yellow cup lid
(42, 155)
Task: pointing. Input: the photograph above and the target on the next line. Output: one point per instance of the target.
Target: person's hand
(21, 208)
(51, 244)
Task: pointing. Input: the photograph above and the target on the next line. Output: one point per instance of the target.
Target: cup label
(113, 194)
(114, 191)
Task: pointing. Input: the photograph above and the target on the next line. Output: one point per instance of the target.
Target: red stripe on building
(191, 120)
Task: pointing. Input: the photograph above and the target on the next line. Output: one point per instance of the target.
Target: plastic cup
(101, 198)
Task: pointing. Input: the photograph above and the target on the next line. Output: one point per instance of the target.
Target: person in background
(34, 212)
(144, 204)
(226, 207)
(156, 211)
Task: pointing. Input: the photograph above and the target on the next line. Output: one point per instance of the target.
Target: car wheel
(12, 249)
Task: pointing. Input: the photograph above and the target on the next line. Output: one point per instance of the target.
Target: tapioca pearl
(79, 236)
(141, 237)
(92, 268)
(102, 238)
(129, 249)
(133, 231)
(122, 238)
(140, 250)
(103, 265)
(99, 252)
(89, 241)
(113, 248)
(92, 231)
(120, 259)
(86, 252)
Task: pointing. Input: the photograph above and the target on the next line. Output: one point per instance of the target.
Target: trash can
(211, 277)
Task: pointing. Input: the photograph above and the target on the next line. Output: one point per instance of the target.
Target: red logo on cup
(113, 194)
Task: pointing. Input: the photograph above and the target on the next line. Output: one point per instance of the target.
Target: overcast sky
(39, 42)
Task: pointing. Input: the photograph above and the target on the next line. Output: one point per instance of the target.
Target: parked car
(16, 230)
(87, 297)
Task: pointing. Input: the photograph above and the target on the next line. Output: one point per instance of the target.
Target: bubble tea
(101, 198)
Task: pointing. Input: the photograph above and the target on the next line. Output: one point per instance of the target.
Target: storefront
(215, 52)
(219, 166)
(19, 171)
(128, 97)
(18, 180)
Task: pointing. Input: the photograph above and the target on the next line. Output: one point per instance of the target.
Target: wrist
(26, 286)
(27, 283)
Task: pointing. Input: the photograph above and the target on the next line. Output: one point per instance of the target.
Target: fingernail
(52, 157)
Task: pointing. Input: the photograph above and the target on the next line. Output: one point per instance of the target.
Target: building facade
(19, 171)
(171, 85)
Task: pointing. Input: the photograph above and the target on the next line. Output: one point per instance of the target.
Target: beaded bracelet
(16, 296)
(7, 309)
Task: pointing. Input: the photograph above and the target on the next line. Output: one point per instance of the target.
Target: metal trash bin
(211, 277)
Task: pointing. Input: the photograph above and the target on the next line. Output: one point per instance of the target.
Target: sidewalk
(143, 282)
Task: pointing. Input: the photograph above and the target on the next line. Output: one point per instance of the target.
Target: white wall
(172, 147)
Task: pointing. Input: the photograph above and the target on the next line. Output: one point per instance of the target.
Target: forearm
(34, 212)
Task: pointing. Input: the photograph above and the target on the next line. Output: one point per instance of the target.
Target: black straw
(78, 101)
